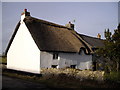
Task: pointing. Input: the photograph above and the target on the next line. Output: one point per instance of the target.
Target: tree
(116, 41)
(111, 50)
(107, 35)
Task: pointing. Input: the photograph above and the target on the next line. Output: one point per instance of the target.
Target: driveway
(10, 83)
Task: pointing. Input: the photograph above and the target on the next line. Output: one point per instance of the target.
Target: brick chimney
(24, 14)
(70, 25)
(99, 36)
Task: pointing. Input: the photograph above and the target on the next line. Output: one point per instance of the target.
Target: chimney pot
(70, 25)
(25, 10)
(99, 36)
(24, 14)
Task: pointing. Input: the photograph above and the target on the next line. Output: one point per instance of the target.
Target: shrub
(112, 76)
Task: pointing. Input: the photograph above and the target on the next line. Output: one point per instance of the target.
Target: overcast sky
(90, 18)
(119, 12)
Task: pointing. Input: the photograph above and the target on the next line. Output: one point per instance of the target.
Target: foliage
(113, 76)
(111, 50)
(107, 35)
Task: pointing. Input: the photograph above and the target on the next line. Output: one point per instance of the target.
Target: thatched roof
(52, 37)
(57, 38)
(92, 41)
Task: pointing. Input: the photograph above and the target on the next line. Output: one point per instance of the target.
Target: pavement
(15, 83)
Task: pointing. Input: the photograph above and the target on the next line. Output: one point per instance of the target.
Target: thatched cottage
(37, 44)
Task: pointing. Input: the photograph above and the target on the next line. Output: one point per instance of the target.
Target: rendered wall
(82, 61)
(23, 53)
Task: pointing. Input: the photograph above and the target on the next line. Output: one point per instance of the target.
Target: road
(11, 83)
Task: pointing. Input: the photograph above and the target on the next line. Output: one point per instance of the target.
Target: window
(72, 66)
(54, 66)
(55, 55)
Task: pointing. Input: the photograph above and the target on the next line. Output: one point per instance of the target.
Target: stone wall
(79, 74)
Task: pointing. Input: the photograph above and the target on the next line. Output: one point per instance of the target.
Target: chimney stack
(25, 10)
(24, 14)
(70, 25)
(99, 36)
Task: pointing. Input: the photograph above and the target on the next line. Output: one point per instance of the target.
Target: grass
(113, 76)
(3, 60)
(61, 81)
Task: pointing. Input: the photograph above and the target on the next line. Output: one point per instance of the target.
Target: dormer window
(55, 55)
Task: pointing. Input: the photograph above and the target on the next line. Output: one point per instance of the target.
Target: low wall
(84, 74)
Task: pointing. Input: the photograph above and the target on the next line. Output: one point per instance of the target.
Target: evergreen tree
(116, 47)
(107, 35)
(111, 50)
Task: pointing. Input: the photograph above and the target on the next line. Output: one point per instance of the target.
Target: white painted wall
(82, 61)
(23, 53)
(46, 59)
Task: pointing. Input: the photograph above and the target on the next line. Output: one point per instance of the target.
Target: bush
(112, 76)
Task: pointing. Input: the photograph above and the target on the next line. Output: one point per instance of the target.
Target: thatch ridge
(32, 19)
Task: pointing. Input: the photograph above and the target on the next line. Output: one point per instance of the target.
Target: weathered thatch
(52, 37)
(57, 38)
(92, 41)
